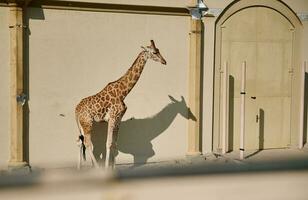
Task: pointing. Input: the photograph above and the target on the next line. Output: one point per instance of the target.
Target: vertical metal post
(243, 94)
(225, 109)
(302, 105)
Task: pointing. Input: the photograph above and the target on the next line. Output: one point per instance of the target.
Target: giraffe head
(154, 54)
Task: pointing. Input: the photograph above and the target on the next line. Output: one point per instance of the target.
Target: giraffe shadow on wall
(136, 135)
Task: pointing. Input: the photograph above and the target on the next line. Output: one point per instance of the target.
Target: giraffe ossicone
(108, 105)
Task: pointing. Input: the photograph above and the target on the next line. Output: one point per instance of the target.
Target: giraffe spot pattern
(136, 77)
(131, 77)
(112, 93)
(97, 106)
(121, 86)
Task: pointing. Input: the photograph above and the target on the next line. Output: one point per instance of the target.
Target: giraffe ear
(142, 47)
(153, 44)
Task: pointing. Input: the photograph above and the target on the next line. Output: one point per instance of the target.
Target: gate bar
(243, 93)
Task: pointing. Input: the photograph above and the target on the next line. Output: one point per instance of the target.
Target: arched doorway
(265, 39)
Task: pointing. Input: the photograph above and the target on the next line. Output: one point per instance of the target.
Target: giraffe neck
(130, 78)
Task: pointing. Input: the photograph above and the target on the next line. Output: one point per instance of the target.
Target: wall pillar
(194, 127)
(208, 82)
(17, 154)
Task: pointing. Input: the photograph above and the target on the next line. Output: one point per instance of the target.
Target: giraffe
(108, 105)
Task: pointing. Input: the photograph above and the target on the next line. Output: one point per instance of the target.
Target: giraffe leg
(110, 141)
(112, 135)
(89, 146)
(79, 159)
(115, 145)
(80, 144)
(87, 128)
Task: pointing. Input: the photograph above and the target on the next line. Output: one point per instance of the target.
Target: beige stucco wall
(4, 84)
(75, 54)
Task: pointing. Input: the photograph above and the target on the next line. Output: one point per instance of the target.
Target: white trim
(243, 94)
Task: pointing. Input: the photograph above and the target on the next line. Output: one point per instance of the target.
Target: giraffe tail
(82, 147)
(81, 139)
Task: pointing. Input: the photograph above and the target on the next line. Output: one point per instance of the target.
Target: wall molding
(104, 7)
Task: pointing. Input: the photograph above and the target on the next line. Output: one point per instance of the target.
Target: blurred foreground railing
(233, 180)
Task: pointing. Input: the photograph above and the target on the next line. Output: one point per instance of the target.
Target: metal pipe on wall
(243, 94)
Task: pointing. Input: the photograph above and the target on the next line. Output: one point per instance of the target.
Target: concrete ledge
(19, 167)
(193, 154)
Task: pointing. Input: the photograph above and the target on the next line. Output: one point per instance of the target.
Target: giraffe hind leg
(81, 145)
(90, 148)
(88, 145)
(81, 156)
(82, 148)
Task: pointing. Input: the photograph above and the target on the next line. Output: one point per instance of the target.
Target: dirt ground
(251, 157)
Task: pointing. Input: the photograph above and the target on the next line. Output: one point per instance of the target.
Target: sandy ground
(251, 157)
(232, 159)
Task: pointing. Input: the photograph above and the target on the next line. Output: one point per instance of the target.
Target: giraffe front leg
(110, 143)
(94, 161)
(112, 135)
(89, 146)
